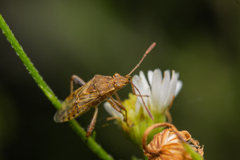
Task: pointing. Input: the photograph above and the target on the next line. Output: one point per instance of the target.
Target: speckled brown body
(89, 95)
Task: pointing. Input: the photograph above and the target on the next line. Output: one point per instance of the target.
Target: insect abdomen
(67, 113)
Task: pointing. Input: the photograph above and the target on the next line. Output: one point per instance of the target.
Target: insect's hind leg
(93, 122)
(116, 105)
(77, 80)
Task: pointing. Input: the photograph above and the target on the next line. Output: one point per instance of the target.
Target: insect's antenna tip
(150, 48)
(147, 51)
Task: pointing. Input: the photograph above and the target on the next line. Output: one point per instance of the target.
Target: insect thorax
(104, 85)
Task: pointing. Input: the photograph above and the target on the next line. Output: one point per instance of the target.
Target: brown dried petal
(167, 146)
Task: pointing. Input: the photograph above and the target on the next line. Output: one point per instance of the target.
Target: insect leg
(117, 96)
(77, 80)
(116, 105)
(93, 122)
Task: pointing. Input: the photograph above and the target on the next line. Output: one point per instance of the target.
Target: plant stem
(96, 148)
(192, 152)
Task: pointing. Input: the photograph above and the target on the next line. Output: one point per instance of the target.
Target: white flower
(161, 91)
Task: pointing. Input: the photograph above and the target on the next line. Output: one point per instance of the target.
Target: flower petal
(142, 85)
(172, 88)
(144, 80)
(156, 87)
(164, 89)
(137, 106)
(137, 82)
(150, 77)
(178, 87)
(161, 91)
(135, 79)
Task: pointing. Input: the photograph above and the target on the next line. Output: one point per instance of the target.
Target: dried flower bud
(167, 145)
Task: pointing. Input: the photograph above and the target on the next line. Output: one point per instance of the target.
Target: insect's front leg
(117, 96)
(93, 122)
(77, 80)
(116, 105)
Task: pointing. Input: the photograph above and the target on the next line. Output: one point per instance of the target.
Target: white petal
(144, 80)
(156, 86)
(137, 106)
(164, 89)
(178, 87)
(106, 105)
(150, 77)
(172, 88)
(136, 81)
(150, 102)
(161, 91)
(146, 100)
(144, 89)
(159, 70)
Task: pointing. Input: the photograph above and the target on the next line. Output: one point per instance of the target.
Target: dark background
(199, 39)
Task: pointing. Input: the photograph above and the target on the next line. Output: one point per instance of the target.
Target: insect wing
(62, 114)
(76, 104)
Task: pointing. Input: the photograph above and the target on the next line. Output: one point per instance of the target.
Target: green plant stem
(96, 148)
(192, 152)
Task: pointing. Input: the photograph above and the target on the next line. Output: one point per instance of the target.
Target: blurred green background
(199, 39)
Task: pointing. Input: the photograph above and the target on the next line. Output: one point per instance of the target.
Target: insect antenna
(149, 113)
(148, 50)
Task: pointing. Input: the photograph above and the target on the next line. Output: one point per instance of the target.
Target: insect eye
(116, 75)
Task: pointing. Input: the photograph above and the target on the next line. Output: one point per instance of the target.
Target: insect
(95, 91)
